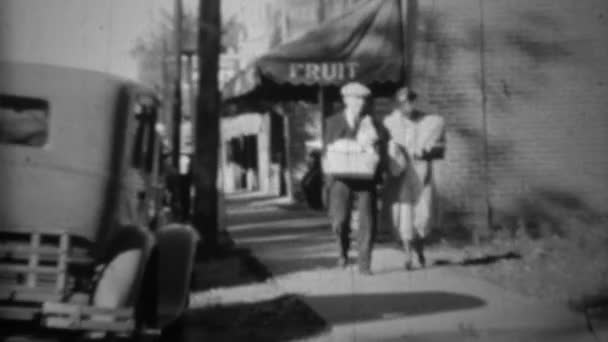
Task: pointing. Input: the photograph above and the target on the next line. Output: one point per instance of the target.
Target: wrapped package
(430, 143)
(347, 158)
(397, 160)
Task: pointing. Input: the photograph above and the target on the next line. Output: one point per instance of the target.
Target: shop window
(24, 120)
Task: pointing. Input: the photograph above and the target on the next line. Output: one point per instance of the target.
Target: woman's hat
(405, 93)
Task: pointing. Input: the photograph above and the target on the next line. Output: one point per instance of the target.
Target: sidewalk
(434, 304)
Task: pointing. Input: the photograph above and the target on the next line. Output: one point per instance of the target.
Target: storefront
(253, 153)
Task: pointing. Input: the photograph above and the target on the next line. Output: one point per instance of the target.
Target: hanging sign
(323, 72)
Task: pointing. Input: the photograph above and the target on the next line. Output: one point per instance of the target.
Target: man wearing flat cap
(352, 125)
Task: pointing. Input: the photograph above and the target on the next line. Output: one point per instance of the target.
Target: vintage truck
(85, 247)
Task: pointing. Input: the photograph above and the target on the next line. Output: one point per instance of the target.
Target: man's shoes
(342, 262)
(365, 271)
(421, 260)
(419, 248)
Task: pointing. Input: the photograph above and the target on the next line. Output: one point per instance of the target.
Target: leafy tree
(158, 47)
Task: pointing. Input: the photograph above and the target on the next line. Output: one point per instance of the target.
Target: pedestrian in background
(416, 140)
(312, 182)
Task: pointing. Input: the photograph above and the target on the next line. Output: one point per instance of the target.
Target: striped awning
(365, 45)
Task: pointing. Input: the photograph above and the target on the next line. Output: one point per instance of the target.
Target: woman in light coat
(416, 139)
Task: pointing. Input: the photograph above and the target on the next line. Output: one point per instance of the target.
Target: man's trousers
(342, 195)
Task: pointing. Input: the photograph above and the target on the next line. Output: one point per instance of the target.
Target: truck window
(144, 142)
(24, 120)
(140, 134)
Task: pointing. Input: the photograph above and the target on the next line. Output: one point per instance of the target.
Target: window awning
(365, 44)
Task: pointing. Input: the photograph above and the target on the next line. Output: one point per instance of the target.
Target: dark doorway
(243, 154)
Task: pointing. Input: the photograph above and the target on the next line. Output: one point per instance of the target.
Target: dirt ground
(572, 268)
(276, 318)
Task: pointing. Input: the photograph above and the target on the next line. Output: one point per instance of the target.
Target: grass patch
(571, 267)
(279, 319)
(276, 319)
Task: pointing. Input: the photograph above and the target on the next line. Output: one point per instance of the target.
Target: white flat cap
(355, 89)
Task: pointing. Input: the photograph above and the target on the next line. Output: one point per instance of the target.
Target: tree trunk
(205, 163)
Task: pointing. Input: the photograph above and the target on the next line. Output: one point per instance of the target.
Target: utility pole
(288, 172)
(483, 231)
(191, 89)
(166, 89)
(207, 125)
(284, 24)
(321, 12)
(177, 91)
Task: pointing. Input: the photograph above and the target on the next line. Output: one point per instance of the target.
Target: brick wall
(540, 66)
(536, 150)
(446, 75)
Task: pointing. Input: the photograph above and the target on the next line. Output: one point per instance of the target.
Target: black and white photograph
(303, 170)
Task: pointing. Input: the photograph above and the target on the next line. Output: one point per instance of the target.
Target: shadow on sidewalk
(284, 318)
(381, 306)
(238, 216)
(290, 246)
(480, 260)
(279, 319)
(233, 267)
(245, 198)
(273, 231)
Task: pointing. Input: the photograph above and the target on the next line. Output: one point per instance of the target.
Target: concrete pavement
(433, 304)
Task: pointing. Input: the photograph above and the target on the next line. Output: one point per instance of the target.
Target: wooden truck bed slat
(73, 316)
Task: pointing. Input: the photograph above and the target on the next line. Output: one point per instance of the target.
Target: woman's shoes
(342, 262)
(408, 265)
(421, 260)
(419, 249)
(365, 271)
